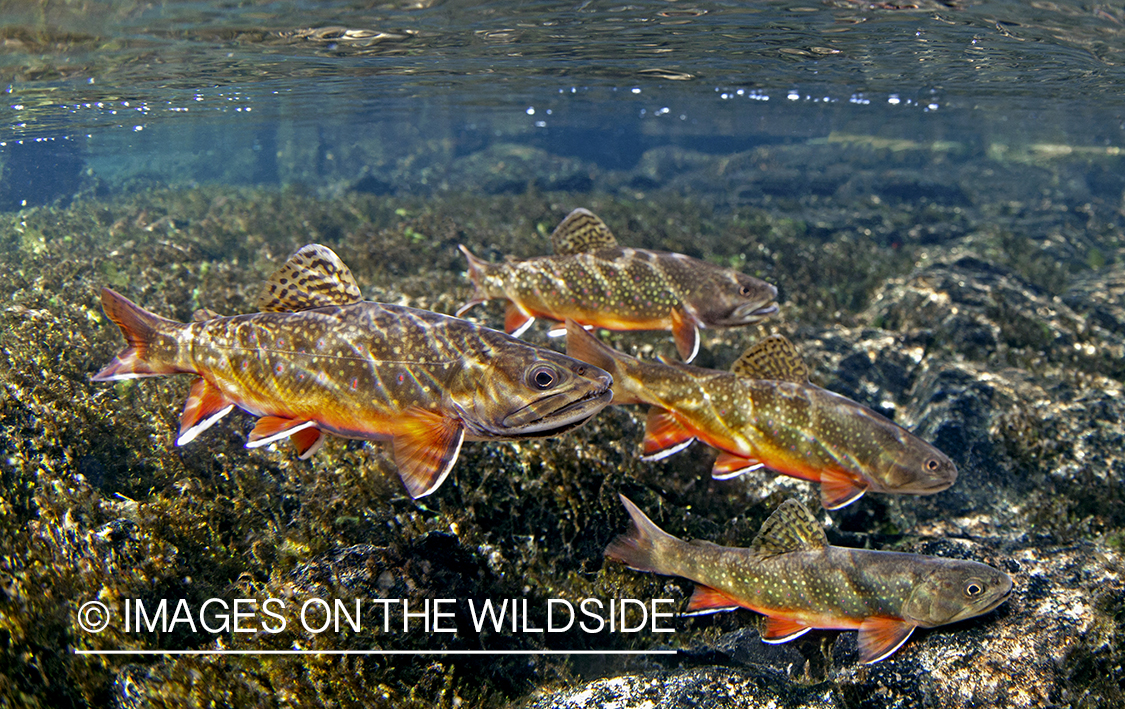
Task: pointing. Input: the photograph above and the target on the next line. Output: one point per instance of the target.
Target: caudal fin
(476, 274)
(644, 547)
(583, 346)
(142, 330)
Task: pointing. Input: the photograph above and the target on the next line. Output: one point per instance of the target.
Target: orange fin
(839, 489)
(685, 331)
(664, 435)
(139, 327)
(516, 321)
(729, 465)
(205, 405)
(880, 637)
(426, 445)
(270, 429)
(581, 231)
(711, 600)
(779, 630)
(308, 442)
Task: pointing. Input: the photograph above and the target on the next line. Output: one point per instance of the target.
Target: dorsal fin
(790, 528)
(773, 358)
(580, 232)
(314, 277)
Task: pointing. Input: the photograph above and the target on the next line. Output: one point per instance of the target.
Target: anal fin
(685, 331)
(308, 441)
(880, 637)
(270, 429)
(664, 435)
(777, 630)
(426, 446)
(839, 489)
(729, 465)
(705, 599)
(205, 405)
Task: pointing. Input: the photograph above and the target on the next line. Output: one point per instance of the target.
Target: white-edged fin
(880, 637)
(278, 436)
(661, 455)
(730, 475)
(516, 320)
(559, 329)
(314, 277)
(426, 445)
(193, 432)
(685, 331)
(778, 630)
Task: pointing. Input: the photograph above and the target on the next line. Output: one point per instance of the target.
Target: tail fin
(140, 328)
(583, 346)
(644, 546)
(477, 269)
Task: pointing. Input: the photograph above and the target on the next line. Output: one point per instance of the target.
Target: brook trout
(319, 360)
(765, 413)
(799, 582)
(595, 282)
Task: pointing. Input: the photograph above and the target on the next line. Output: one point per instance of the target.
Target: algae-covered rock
(912, 306)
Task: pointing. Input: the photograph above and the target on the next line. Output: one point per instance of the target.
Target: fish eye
(542, 377)
(973, 589)
(932, 464)
(745, 291)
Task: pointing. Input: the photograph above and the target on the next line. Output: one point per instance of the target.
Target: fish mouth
(750, 313)
(556, 420)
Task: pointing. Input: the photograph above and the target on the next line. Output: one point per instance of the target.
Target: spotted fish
(319, 360)
(799, 582)
(597, 283)
(765, 413)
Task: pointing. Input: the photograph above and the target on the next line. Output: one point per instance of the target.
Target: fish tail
(583, 346)
(645, 547)
(142, 330)
(477, 270)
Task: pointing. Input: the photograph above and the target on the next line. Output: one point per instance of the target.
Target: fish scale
(765, 413)
(799, 582)
(597, 283)
(321, 361)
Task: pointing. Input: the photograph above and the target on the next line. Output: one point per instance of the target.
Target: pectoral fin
(728, 465)
(205, 405)
(781, 630)
(664, 435)
(705, 599)
(685, 331)
(880, 637)
(516, 321)
(839, 489)
(426, 446)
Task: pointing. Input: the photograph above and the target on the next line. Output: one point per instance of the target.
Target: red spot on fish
(278, 368)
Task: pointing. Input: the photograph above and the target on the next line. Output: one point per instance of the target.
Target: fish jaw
(956, 590)
(732, 299)
(522, 391)
(917, 469)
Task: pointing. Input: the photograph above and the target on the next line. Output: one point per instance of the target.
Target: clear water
(325, 93)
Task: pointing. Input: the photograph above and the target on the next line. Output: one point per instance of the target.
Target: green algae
(100, 504)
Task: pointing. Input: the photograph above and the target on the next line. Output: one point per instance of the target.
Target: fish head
(522, 391)
(727, 298)
(954, 590)
(910, 466)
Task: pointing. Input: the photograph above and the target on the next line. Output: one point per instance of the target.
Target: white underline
(375, 652)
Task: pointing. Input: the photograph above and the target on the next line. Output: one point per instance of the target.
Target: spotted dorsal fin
(773, 358)
(580, 232)
(790, 528)
(314, 277)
